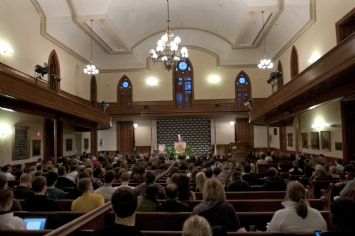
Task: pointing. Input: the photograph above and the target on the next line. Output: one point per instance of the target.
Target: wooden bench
(250, 195)
(65, 204)
(314, 189)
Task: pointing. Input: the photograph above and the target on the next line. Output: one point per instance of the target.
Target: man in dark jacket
(273, 182)
(172, 204)
(237, 184)
(250, 178)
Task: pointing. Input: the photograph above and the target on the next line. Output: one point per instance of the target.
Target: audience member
(200, 181)
(341, 217)
(23, 191)
(334, 172)
(75, 193)
(273, 182)
(150, 179)
(183, 184)
(339, 165)
(107, 190)
(227, 171)
(147, 201)
(216, 172)
(53, 192)
(208, 172)
(295, 170)
(196, 226)
(7, 218)
(297, 215)
(319, 174)
(249, 177)
(88, 200)
(6, 169)
(237, 184)
(268, 156)
(172, 204)
(39, 201)
(62, 181)
(124, 204)
(215, 208)
(125, 180)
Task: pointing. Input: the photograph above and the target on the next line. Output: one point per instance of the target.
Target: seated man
(341, 217)
(88, 200)
(75, 193)
(39, 201)
(172, 204)
(6, 169)
(23, 191)
(63, 181)
(107, 190)
(7, 219)
(125, 180)
(53, 192)
(250, 178)
(237, 184)
(150, 179)
(124, 203)
(16, 206)
(273, 182)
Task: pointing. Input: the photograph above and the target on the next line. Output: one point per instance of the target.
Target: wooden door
(125, 137)
(283, 139)
(244, 131)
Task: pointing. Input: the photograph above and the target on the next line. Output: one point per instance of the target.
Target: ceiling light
(167, 52)
(265, 63)
(91, 69)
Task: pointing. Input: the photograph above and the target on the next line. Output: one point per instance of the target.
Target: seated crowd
(131, 184)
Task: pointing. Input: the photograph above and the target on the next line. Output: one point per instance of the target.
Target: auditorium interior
(65, 111)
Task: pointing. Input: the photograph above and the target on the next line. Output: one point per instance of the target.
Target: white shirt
(106, 191)
(9, 221)
(9, 176)
(268, 158)
(288, 220)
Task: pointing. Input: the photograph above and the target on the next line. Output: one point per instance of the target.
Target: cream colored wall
(69, 133)
(204, 67)
(319, 38)
(260, 136)
(275, 138)
(7, 121)
(323, 116)
(85, 135)
(20, 30)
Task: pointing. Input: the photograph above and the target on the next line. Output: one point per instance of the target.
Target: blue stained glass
(182, 65)
(241, 80)
(176, 69)
(246, 82)
(125, 84)
(245, 94)
(189, 68)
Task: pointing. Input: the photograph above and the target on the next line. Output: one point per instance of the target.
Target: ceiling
(124, 31)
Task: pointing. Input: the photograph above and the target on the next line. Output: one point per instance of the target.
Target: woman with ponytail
(297, 215)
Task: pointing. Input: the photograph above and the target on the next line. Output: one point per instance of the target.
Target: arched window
(279, 68)
(54, 68)
(183, 84)
(242, 89)
(124, 93)
(93, 91)
(294, 62)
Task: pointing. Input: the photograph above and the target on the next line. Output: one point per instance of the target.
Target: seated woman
(200, 181)
(196, 226)
(7, 219)
(297, 215)
(215, 208)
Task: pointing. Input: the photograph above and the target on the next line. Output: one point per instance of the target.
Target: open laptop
(35, 223)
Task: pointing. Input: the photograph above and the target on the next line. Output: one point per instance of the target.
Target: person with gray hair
(196, 226)
(319, 174)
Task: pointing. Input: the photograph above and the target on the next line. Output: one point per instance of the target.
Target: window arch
(54, 68)
(124, 93)
(294, 62)
(242, 89)
(183, 84)
(279, 68)
(93, 91)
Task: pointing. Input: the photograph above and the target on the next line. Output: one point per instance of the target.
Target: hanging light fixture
(265, 63)
(231, 122)
(91, 69)
(167, 50)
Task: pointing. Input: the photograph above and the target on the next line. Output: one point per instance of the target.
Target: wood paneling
(283, 139)
(125, 137)
(348, 129)
(222, 149)
(143, 149)
(244, 132)
(345, 26)
(330, 77)
(294, 62)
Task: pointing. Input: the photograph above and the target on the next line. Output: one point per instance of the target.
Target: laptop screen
(35, 223)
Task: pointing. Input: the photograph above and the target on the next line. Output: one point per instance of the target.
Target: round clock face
(242, 80)
(125, 84)
(182, 65)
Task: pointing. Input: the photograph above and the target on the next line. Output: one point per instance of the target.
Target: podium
(179, 147)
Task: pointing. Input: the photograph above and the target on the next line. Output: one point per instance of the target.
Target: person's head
(341, 214)
(174, 178)
(39, 184)
(271, 172)
(319, 168)
(124, 202)
(196, 226)
(62, 171)
(216, 171)
(6, 199)
(333, 169)
(338, 161)
(208, 172)
(125, 177)
(39, 167)
(296, 192)
(110, 176)
(85, 185)
(247, 168)
(25, 179)
(151, 191)
(52, 178)
(171, 191)
(149, 177)
(237, 175)
(349, 169)
(6, 168)
(213, 190)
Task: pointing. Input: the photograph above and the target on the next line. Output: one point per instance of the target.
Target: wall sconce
(214, 79)
(135, 125)
(8, 51)
(5, 130)
(313, 59)
(231, 123)
(152, 81)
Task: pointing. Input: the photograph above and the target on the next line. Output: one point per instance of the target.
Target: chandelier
(265, 63)
(91, 69)
(167, 50)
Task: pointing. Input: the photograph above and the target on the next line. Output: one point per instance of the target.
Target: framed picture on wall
(338, 146)
(315, 140)
(304, 140)
(21, 143)
(86, 143)
(68, 145)
(270, 138)
(36, 148)
(290, 139)
(325, 140)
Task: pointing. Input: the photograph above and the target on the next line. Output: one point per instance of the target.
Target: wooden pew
(250, 195)
(65, 204)
(9, 232)
(314, 189)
